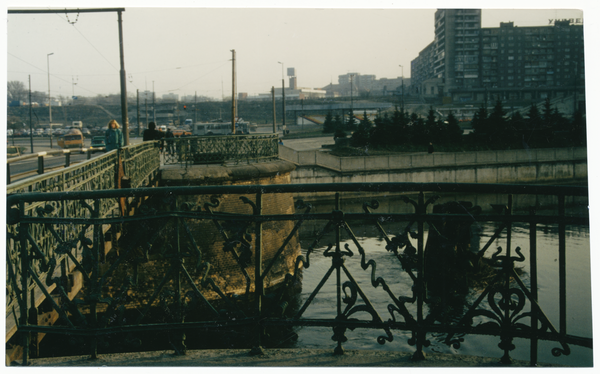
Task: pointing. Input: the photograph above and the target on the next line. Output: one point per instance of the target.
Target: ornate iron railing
(181, 295)
(138, 163)
(220, 149)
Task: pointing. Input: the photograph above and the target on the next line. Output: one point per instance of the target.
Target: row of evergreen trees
(494, 130)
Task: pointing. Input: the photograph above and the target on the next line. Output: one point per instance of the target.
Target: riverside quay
(239, 242)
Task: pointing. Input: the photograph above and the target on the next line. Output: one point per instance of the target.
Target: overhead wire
(90, 43)
(202, 76)
(116, 69)
(46, 72)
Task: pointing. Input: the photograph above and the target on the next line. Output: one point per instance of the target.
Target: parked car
(98, 142)
(180, 132)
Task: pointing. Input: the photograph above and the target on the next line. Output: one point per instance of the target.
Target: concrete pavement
(308, 144)
(290, 357)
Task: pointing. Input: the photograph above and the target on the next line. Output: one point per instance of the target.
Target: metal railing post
(258, 280)
(180, 334)
(40, 164)
(338, 350)
(534, 291)
(420, 286)
(506, 336)
(94, 286)
(23, 230)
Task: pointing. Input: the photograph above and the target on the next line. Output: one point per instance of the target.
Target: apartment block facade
(467, 63)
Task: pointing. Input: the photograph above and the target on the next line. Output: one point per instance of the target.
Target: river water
(578, 283)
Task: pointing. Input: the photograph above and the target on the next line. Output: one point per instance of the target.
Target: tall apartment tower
(466, 62)
(456, 48)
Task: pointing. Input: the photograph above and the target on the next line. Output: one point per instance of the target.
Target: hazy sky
(186, 49)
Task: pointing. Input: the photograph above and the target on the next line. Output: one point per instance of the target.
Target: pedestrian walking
(113, 137)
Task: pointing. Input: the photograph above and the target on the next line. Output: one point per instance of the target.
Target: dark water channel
(578, 283)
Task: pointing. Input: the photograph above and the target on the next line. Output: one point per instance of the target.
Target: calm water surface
(579, 310)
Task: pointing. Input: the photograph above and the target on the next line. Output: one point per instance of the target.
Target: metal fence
(185, 298)
(52, 245)
(220, 149)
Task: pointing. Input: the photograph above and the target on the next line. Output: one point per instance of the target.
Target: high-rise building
(466, 62)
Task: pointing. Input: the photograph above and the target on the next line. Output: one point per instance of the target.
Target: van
(73, 139)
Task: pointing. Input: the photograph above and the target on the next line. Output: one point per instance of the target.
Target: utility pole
(124, 114)
(302, 102)
(137, 95)
(283, 94)
(30, 121)
(402, 100)
(146, 103)
(233, 114)
(49, 97)
(74, 81)
(351, 98)
(195, 107)
(122, 59)
(274, 118)
(153, 104)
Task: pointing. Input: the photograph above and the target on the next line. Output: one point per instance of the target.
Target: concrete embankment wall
(543, 165)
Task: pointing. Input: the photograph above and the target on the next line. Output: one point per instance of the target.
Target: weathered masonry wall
(522, 166)
(225, 269)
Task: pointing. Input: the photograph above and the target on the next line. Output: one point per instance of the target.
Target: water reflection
(578, 279)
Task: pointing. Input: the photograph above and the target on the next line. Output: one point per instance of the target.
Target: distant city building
(170, 97)
(366, 85)
(192, 98)
(292, 92)
(466, 62)
(146, 95)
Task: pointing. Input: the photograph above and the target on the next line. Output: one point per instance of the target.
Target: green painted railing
(139, 163)
(229, 149)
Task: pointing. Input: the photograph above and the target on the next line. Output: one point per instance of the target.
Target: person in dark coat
(113, 137)
(170, 141)
(152, 133)
(430, 148)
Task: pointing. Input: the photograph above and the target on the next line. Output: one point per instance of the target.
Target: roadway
(42, 144)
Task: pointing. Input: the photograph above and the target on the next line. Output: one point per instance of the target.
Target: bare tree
(16, 91)
(39, 97)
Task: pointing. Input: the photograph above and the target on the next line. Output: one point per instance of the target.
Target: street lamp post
(283, 94)
(49, 97)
